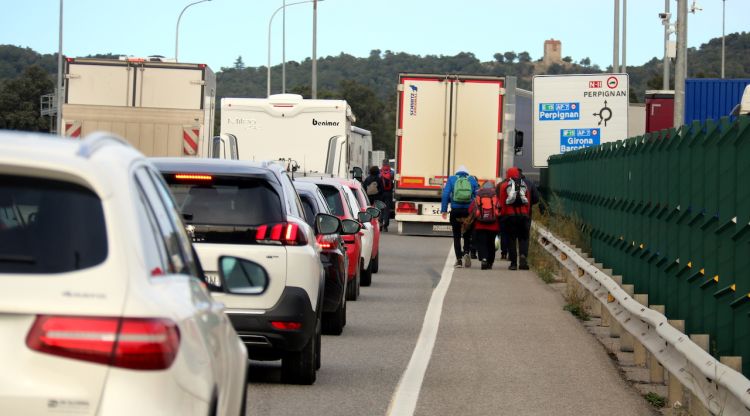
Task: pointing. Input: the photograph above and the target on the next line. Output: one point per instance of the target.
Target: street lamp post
(268, 70)
(723, 18)
(60, 80)
(177, 30)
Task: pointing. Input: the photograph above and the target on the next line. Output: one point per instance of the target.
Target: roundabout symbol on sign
(605, 114)
(612, 82)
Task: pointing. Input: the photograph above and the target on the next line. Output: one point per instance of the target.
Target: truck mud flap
(425, 228)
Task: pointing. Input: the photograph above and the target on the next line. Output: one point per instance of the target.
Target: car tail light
(193, 177)
(406, 208)
(328, 242)
(287, 234)
(134, 343)
(288, 326)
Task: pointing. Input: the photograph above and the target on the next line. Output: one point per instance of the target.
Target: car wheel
(352, 289)
(333, 322)
(366, 275)
(298, 367)
(318, 344)
(375, 263)
(243, 405)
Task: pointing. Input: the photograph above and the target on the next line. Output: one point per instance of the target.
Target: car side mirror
(380, 204)
(357, 173)
(239, 276)
(374, 212)
(327, 224)
(364, 217)
(518, 141)
(350, 227)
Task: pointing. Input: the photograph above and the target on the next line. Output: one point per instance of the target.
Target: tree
(568, 59)
(586, 61)
(524, 57)
(499, 57)
(239, 64)
(510, 56)
(19, 100)
(369, 111)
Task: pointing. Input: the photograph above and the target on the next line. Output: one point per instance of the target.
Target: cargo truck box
(445, 121)
(161, 108)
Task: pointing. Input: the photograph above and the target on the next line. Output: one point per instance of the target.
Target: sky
(218, 31)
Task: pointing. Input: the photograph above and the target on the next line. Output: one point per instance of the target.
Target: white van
(313, 135)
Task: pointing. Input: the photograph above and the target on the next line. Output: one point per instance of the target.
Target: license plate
(441, 228)
(213, 278)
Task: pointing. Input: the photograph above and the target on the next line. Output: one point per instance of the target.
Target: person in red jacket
(484, 212)
(515, 206)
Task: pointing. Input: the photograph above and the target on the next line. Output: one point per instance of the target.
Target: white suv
(252, 210)
(101, 307)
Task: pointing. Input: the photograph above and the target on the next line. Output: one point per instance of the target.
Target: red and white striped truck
(162, 108)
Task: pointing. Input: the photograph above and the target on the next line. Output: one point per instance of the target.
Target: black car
(334, 259)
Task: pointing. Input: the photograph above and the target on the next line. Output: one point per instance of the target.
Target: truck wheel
(333, 322)
(366, 275)
(375, 263)
(298, 367)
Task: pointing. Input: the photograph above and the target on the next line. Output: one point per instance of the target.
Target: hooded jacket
(448, 190)
(506, 210)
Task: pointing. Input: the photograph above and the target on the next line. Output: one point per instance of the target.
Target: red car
(364, 204)
(335, 196)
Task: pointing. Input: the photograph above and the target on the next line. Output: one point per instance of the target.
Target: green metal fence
(670, 212)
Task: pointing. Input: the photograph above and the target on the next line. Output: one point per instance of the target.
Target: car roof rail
(96, 141)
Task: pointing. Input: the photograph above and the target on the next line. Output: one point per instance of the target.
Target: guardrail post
(656, 371)
(626, 338)
(615, 329)
(639, 351)
(675, 391)
(735, 363)
(695, 406)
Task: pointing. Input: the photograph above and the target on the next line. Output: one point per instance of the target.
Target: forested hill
(369, 83)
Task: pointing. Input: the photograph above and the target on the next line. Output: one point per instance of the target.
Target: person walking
(386, 178)
(373, 185)
(484, 213)
(459, 191)
(515, 206)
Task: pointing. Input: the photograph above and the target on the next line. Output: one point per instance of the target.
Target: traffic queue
(158, 278)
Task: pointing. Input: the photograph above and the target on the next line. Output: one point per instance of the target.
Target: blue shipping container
(711, 98)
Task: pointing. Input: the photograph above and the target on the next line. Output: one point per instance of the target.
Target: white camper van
(317, 135)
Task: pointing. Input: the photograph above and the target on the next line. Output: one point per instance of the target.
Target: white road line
(404, 400)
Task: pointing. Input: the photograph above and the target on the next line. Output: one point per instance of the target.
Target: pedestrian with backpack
(373, 185)
(386, 177)
(515, 207)
(459, 191)
(485, 212)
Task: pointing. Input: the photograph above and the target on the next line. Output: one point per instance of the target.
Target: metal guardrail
(721, 389)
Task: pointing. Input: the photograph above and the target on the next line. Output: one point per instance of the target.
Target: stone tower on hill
(552, 52)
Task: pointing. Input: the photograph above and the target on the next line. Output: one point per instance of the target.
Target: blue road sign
(559, 111)
(574, 139)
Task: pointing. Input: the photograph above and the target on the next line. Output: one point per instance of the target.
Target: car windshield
(49, 226)
(226, 201)
(333, 198)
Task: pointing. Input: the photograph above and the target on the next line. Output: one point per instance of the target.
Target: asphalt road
(504, 346)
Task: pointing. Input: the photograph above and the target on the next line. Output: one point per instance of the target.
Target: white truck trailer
(445, 121)
(317, 135)
(377, 157)
(161, 108)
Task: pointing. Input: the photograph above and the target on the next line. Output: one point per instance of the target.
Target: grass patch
(578, 311)
(656, 400)
(541, 262)
(570, 228)
(575, 296)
